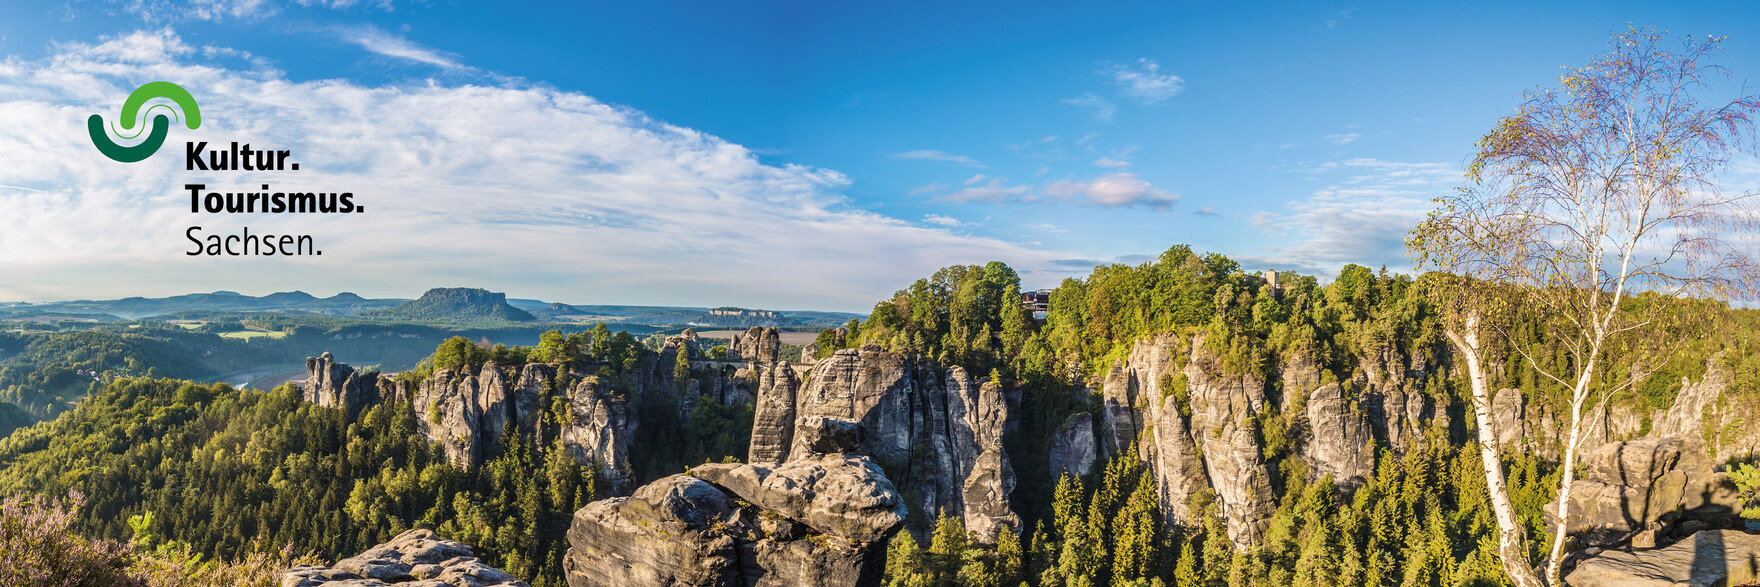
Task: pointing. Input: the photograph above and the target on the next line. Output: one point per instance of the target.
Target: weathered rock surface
(335, 385)
(1641, 489)
(755, 345)
(773, 421)
(821, 521)
(823, 435)
(935, 429)
(1708, 558)
(1339, 439)
(416, 558)
(840, 495)
(465, 413)
(1707, 406)
(1222, 406)
(1073, 451)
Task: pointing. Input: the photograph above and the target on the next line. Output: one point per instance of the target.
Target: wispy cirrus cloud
(380, 42)
(1113, 190)
(1102, 109)
(1142, 80)
(933, 155)
(1360, 216)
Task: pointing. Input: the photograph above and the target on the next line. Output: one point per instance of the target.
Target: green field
(250, 334)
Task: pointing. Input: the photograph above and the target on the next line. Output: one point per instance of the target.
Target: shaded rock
(1508, 412)
(819, 434)
(1119, 398)
(598, 432)
(774, 418)
(446, 404)
(931, 427)
(1638, 489)
(1072, 450)
(1179, 471)
(666, 533)
(415, 557)
(1339, 442)
(1706, 559)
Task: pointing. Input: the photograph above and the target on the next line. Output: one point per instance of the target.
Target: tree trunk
(1511, 541)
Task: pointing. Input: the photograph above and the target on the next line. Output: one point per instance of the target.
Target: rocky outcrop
(414, 558)
(1709, 558)
(755, 345)
(465, 412)
(1643, 490)
(598, 432)
(1222, 408)
(335, 385)
(819, 521)
(1338, 440)
(1707, 411)
(940, 432)
(1118, 396)
(1072, 450)
(773, 421)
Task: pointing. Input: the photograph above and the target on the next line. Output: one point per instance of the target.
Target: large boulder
(843, 496)
(415, 558)
(1708, 558)
(822, 521)
(774, 419)
(1640, 489)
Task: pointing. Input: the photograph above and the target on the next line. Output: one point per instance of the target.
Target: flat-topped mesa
(465, 412)
(755, 345)
(938, 432)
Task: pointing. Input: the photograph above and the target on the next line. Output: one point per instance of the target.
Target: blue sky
(773, 154)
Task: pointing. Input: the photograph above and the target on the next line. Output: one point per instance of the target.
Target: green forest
(235, 473)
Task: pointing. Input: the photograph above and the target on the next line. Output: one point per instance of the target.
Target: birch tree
(1610, 186)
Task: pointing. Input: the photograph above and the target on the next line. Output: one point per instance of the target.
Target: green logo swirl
(131, 110)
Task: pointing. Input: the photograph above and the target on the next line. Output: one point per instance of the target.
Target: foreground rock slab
(1709, 558)
(821, 521)
(416, 558)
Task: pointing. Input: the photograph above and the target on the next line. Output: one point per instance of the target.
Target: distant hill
(342, 304)
(455, 304)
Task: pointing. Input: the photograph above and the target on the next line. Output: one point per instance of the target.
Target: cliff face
(1196, 425)
(939, 433)
(465, 413)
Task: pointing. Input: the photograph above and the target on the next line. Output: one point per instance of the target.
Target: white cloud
(1343, 138)
(1113, 189)
(974, 179)
(1111, 163)
(531, 190)
(997, 191)
(1102, 109)
(383, 43)
(1361, 217)
(933, 155)
(939, 220)
(1142, 81)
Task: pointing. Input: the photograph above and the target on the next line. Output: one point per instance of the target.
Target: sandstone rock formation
(416, 558)
(1706, 410)
(465, 413)
(332, 384)
(755, 345)
(1642, 488)
(1072, 450)
(941, 433)
(1339, 439)
(819, 521)
(1709, 558)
